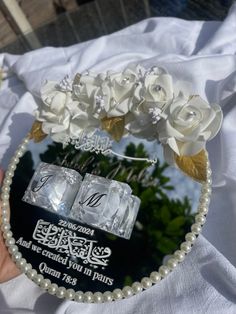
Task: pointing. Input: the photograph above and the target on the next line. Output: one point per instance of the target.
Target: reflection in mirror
(168, 202)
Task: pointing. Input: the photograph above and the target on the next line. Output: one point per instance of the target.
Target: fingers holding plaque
(104, 215)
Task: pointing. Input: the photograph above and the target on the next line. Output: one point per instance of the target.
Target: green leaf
(175, 225)
(128, 281)
(147, 196)
(166, 245)
(155, 234)
(169, 187)
(165, 215)
(130, 150)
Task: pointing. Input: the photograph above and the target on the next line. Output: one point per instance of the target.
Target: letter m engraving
(93, 200)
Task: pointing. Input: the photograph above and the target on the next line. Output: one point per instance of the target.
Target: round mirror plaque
(96, 213)
(97, 228)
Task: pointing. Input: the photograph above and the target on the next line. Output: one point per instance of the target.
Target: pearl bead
(38, 279)
(209, 181)
(172, 263)
(23, 143)
(9, 173)
(205, 201)
(200, 219)
(179, 255)
(127, 291)
(7, 181)
(137, 287)
(107, 296)
(146, 282)
(31, 273)
(7, 177)
(61, 292)
(27, 267)
(6, 189)
(70, 294)
(16, 256)
(4, 219)
(21, 262)
(45, 284)
(12, 167)
(190, 237)
(6, 227)
(203, 210)
(7, 234)
(196, 228)
(206, 189)
(88, 297)
(20, 152)
(4, 205)
(10, 241)
(98, 297)
(117, 294)
(5, 196)
(25, 140)
(53, 288)
(5, 213)
(79, 296)
(155, 277)
(14, 160)
(207, 185)
(186, 246)
(209, 172)
(12, 249)
(164, 271)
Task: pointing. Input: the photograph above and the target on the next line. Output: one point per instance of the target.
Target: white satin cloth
(202, 53)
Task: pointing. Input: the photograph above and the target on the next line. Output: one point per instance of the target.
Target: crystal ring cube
(53, 188)
(106, 204)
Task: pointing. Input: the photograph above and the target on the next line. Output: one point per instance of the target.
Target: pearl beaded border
(108, 296)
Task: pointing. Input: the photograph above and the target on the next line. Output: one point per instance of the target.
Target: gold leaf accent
(36, 132)
(76, 79)
(194, 166)
(192, 96)
(114, 126)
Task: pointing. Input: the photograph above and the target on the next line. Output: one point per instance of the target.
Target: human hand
(8, 269)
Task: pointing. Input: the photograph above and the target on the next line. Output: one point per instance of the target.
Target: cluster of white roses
(147, 101)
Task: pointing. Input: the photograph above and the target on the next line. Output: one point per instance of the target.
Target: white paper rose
(62, 117)
(155, 86)
(85, 89)
(140, 102)
(152, 93)
(114, 98)
(190, 123)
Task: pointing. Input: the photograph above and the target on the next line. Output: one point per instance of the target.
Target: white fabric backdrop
(202, 53)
